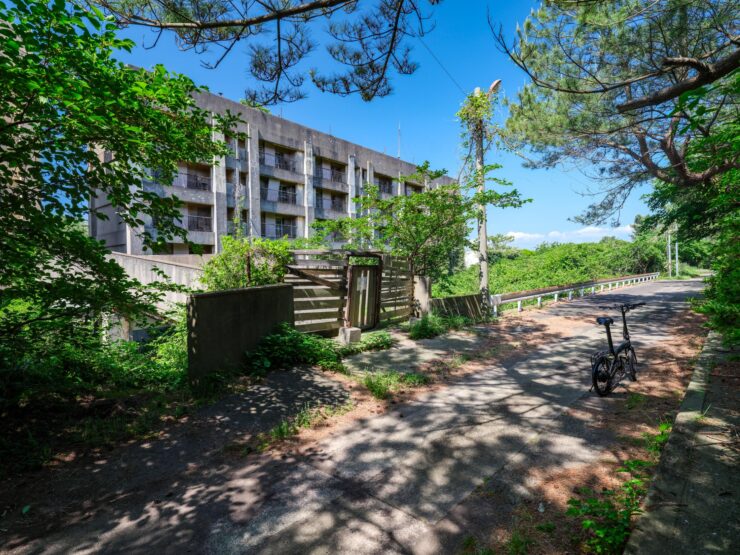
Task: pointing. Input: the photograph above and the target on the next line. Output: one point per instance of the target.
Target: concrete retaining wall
(145, 269)
(223, 325)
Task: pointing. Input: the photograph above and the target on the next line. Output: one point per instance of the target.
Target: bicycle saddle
(604, 321)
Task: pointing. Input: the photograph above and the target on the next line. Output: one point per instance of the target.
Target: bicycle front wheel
(632, 364)
(601, 376)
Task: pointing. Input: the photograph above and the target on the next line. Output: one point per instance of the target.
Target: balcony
(280, 161)
(278, 231)
(192, 181)
(334, 208)
(198, 223)
(274, 195)
(330, 179)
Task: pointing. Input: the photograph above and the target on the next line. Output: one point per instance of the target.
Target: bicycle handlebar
(628, 306)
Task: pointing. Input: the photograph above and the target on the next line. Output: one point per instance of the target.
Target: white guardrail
(608, 284)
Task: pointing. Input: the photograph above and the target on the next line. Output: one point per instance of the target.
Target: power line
(441, 65)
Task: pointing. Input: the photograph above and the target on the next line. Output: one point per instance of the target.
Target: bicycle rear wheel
(601, 376)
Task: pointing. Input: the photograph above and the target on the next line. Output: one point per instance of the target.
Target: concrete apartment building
(282, 177)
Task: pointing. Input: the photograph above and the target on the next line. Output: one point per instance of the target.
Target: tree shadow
(399, 482)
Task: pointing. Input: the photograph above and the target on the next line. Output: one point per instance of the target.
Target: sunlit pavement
(392, 483)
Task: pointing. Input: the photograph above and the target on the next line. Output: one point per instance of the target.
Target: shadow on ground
(399, 482)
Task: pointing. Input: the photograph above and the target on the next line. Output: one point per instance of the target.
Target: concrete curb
(669, 484)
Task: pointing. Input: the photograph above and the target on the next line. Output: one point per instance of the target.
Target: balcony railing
(192, 181)
(333, 204)
(274, 195)
(278, 231)
(282, 161)
(198, 223)
(330, 174)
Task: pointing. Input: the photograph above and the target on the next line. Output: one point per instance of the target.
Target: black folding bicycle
(609, 367)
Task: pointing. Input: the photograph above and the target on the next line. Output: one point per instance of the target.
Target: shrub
(429, 325)
(288, 347)
(375, 341)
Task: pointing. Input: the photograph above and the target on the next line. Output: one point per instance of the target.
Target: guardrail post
(583, 292)
(556, 297)
(610, 286)
(539, 302)
(593, 290)
(495, 301)
(519, 306)
(602, 288)
(570, 295)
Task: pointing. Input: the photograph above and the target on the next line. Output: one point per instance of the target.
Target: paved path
(393, 483)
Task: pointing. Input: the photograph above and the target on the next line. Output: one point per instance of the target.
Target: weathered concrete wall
(143, 268)
(223, 325)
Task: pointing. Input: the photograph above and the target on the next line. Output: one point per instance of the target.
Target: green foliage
(557, 264)
(247, 262)
(382, 384)
(64, 103)
(432, 325)
(589, 60)
(429, 227)
(288, 347)
(373, 341)
(654, 443)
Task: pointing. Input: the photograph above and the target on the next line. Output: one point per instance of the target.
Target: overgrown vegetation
(432, 325)
(607, 515)
(560, 264)
(382, 384)
(288, 347)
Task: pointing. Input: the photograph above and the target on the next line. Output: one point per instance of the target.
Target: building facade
(282, 177)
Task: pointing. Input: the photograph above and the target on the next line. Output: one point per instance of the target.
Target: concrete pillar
(308, 191)
(253, 180)
(352, 191)
(422, 295)
(218, 183)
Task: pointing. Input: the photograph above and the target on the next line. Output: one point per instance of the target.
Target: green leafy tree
(607, 80)
(75, 123)
(425, 227)
(247, 262)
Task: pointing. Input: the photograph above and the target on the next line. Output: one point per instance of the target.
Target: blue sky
(424, 104)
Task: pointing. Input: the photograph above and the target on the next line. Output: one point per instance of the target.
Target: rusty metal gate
(364, 298)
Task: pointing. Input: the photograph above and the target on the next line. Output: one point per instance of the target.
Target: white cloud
(589, 234)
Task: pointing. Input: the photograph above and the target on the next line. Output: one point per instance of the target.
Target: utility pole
(677, 274)
(669, 254)
(478, 139)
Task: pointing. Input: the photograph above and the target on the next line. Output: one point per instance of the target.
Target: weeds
(654, 443)
(432, 325)
(519, 543)
(635, 400)
(307, 417)
(382, 384)
(374, 341)
(606, 515)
